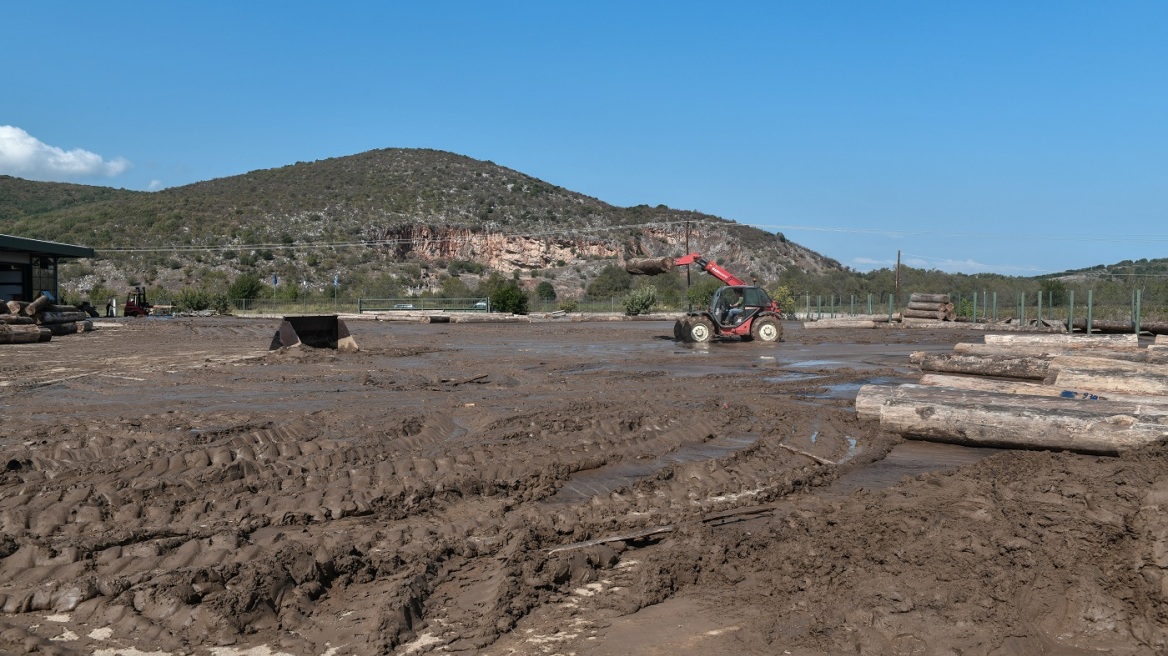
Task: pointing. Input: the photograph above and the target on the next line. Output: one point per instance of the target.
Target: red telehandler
(738, 309)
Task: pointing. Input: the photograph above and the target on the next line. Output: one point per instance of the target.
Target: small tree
(246, 287)
(611, 281)
(640, 301)
(509, 298)
(545, 291)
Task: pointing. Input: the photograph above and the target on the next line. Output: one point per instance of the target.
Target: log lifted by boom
(317, 331)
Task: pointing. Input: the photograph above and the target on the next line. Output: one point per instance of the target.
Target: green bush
(568, 305)
(702, 291)
(640, 301)
(612, 281)
(246, 287)
(545, 291)
(192, 300)
(509, 298)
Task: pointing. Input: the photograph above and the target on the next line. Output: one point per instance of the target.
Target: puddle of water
(585, 485)
(909, 458)
(849, 390)
(791, 377)
(828, 364)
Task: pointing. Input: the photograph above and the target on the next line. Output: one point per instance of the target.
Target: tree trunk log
(16, 307)
(979, 384)
(930, 307)
(1133, 355)
(936, 315)
(61, 317)
(67, 328)
(1104, 326)
(1161, 340)
(928, 298)
(36, 306)
(1068, 341)
(840, 323)
(16, 319)
(1108, 375)
(17, 334)
(1007, 420)
(1002, 366)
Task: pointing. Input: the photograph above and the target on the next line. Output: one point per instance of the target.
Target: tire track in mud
(365, 531)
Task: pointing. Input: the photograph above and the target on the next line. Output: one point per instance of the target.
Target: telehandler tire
(700, 331)
(766, 329)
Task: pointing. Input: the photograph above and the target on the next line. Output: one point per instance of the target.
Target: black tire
(766, 329)
(680, 328)
(700, 331)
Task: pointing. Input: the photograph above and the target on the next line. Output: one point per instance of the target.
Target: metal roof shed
(29, 266)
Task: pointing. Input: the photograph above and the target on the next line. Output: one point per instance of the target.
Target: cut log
(39, 305)
(930, 307)
(936, 315)
(928, 298)
(1068, 341)
(46, 318)
(1107, 375)
(16, 307)
(840, 323)
(1108, 326)
(1133, 355)
(980, 384)
(18, 334)
(70, 328)
(650, 267)
(1002, 366)
(1161, 340)
(16, 319)
(1006, 420)
(930, 324)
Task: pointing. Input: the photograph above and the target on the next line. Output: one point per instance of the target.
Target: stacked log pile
(1099, 394)
(929, 307)
(39, 321)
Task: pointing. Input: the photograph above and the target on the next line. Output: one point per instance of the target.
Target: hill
(372, 218)
(1156, 267)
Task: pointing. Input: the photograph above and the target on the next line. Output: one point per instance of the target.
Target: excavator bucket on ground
(319, 331)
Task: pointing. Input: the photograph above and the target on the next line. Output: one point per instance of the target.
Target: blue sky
(1017, 137)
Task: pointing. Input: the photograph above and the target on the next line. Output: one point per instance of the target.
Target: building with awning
(28, 267)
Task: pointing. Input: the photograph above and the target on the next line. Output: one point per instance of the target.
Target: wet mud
(170, 487)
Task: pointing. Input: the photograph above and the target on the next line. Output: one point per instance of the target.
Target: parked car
(481, 305)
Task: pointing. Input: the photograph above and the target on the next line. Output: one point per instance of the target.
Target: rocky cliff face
(507, 252)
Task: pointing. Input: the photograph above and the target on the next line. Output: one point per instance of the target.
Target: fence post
(807, 312)
(818, 306)
(1071, 313)
(1040, 308)
(869, 303)
(1139, 295)
(975, 308)
(1090, 308)
(890, 309)
(831, 303)
(853, 305)
(995, 307)
(1022, 307)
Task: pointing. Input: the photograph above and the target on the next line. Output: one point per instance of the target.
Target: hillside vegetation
(401, 220)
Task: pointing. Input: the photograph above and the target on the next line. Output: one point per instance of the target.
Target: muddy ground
(171, 487)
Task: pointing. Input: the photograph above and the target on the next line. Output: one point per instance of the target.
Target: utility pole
(897, 293)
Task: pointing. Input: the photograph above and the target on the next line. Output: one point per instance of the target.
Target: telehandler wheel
(766, 329)
(700, 330)
(680, 328)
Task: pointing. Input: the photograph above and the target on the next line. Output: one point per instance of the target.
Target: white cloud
(25, 156)
(154, 185)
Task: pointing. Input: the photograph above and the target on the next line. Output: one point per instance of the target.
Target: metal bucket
(317, 331)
